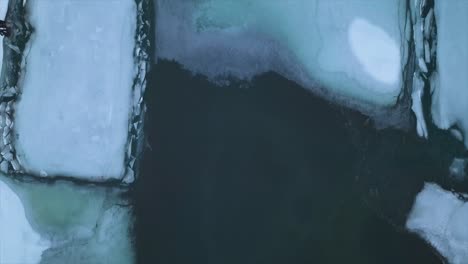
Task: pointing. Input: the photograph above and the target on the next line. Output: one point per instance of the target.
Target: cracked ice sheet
(354, 48)
(72, 118)
(62, 222)
(450, 96)
(441, 218)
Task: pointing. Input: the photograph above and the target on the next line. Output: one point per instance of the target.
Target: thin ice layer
(353, 48)
(450, 97)
(72, 118)
(80, 224)
(19, 242)
(441, 218)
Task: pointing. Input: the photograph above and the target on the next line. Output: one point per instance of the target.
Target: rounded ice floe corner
(129, 176)
(440, 216)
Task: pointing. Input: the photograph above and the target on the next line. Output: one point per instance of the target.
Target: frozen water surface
(72, 118)
(352, 48)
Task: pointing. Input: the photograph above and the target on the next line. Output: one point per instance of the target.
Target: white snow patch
(377, 52)
(441, 218)
(19, 243)
(417, 107)
(72, 118)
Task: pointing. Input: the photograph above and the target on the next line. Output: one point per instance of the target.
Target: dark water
(272, 174)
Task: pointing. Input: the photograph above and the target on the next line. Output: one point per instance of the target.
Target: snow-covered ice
(356, 49)
(441, 218)
(72, 223)
(73, 115)
(19, 242)
(450, 97)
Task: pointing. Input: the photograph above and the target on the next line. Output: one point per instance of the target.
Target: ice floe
(76, 103)
(450, 95)
(441, 218)
(417, 107)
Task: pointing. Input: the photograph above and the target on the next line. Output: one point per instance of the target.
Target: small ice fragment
(9, 92)
(2, 107)
(8, 120)
(427, 52)
(9, 107)
(8, 156)
(422, 65)
(418, 37)
(14, 48)
(4, 151)
(421, 6)
(457, 169)
(15, 165)
(4, 166)
(428, 23)
(130, 176)
(6, 132)
(416, 96)
(456, 134)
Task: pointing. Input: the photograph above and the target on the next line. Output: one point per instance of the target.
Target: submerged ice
(19, 242)
(62, 222)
